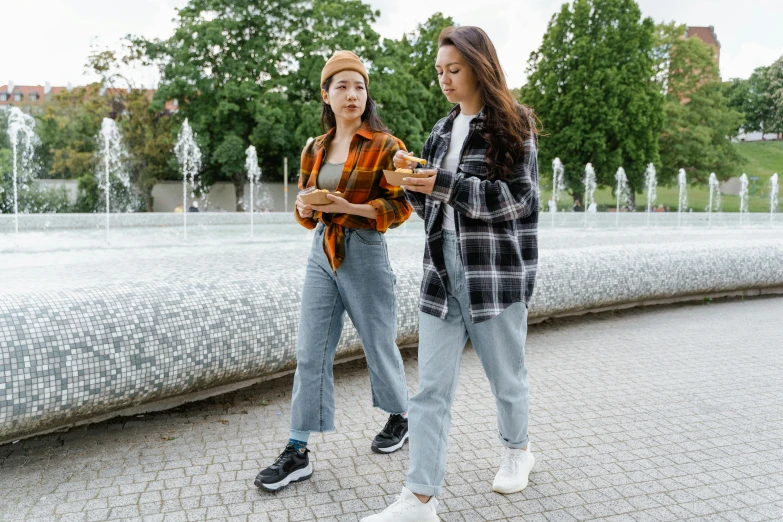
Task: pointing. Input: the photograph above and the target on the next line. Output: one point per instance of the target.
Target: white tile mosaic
(85, 339)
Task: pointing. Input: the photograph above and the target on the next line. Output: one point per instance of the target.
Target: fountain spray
(254, 175)
(621, 192)
(558, 184)
(189, 159)
(682, 181)
(651, 183)
(21, 131)
(590, 185)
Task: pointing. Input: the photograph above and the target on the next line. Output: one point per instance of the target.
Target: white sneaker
(515, 466)
(407, 508)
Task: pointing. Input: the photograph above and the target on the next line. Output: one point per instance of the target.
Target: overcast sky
(50, 40)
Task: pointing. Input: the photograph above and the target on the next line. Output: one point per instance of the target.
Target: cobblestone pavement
(666, 413)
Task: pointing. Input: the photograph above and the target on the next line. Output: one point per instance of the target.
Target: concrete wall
(757, 136)
(220, 198)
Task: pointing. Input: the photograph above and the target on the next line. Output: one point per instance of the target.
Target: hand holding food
(401, 160)
(303, 208)
(404, 163)
(422, 181)
(336, 204)
(314, 196)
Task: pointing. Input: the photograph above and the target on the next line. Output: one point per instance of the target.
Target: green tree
(424, 51)
(245, 72)
(31, 197)
(146, 131)
(753, 98)
(698, 121)
(591, 84)
(402, 100)
(149, 139)
(775, 79)
(67, 131)
(6, 164)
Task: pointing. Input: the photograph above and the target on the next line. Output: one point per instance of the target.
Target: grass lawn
(762, 159)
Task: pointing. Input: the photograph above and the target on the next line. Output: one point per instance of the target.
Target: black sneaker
(392, 436)
(290, 466)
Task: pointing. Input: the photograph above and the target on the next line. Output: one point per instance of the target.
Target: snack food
(394, 177)
(411, 157)
(314, 196)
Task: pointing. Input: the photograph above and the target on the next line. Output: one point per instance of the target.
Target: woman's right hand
(303, 208)
(401, 163)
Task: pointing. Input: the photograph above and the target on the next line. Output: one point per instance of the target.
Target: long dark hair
(370, 114)
(507, 123)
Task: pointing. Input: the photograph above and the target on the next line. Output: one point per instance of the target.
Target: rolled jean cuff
(301, 436)
(513, 445)
(419, 489)
(393, 411)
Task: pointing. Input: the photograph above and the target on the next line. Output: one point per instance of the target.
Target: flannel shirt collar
(364, 131)
(445, 129)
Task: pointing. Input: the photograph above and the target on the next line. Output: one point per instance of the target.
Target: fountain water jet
(254, 175)
(773, 197)
(111, 154)
(21, 131)
(189, 159)
(743, 195)
(682, 181)
(558, 184)
(714, 189)
(590, 186)
(651, 183)
(622, 191)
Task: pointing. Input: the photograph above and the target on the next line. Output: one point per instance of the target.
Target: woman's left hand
(423, 185)
(338, 206)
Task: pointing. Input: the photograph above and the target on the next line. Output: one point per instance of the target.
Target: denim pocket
(368, 236)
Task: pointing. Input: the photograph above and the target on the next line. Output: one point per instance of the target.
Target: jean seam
(440, 433)
(323, 362)
(393, 280)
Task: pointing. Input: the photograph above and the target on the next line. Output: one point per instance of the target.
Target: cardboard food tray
(318, 198)
(395, 178)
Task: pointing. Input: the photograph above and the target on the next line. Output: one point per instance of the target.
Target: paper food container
(318, 197)
(395, 178)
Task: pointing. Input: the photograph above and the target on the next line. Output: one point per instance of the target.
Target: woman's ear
(325, 97)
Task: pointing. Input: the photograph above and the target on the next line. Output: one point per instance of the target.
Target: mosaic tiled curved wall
(69, 355)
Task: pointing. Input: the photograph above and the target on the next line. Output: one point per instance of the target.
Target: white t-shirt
(459, 132)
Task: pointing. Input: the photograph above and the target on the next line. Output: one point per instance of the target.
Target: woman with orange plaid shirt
(349, 253)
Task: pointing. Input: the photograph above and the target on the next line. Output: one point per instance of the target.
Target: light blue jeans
(499, 344)
(363, 287)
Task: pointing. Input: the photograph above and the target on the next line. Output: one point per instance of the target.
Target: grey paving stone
(631, 419)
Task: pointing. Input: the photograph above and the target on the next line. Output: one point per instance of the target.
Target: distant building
(26, 95)
(706, 35)
(758, 136)
(30, 97)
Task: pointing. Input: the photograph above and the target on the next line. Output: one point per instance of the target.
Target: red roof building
(30, 96)
(11, 94)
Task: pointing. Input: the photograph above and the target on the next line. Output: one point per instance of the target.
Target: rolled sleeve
(392, 209)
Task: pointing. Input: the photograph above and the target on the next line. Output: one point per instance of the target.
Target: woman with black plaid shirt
(480, 210)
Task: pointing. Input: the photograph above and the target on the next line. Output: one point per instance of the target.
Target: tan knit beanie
(343, 61)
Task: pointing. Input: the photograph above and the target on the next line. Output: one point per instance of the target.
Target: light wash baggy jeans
(363, 286)
(499, 344)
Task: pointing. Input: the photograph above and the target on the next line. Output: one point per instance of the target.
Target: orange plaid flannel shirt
(362, 182)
